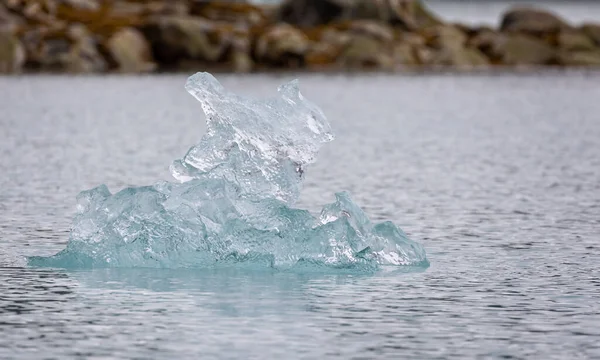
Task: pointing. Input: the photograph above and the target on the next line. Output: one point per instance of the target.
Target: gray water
(498, 176)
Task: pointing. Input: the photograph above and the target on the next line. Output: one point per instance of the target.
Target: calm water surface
(497, 175)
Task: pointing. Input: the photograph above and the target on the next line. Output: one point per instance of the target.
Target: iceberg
(233, 202)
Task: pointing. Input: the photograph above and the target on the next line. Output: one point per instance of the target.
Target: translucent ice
(234, 202)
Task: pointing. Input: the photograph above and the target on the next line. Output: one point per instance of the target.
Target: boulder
(404, 54)
(573, 40)
(593, 31)
(448, 47)
(366, 52)
(460, 57)
(531, 20)
(520, 49)
(308, 13)
(327, 48)
(71, 50)
(12, 53)
(231, 12)
(371, 28)
(9, 22)
(174, 38)
(130, 51)
(579, 58)
(239, 55)
(410, 14)
(444, 37)
(489, 42)
(282, 45)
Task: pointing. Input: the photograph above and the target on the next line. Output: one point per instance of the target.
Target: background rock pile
(87, 36)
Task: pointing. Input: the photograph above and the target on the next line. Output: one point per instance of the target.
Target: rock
(231, 12)
(580, 58)
(282, 45)
(530, 20)
(12, 53)
(593, 31)
(8, 21)
(448, 44)
(460, 57)
(444, 36)
(74, 50)
(241, 61)
(366, 52)
(183, 37)
(308, 13)
(371, 28)
(327, 48)
(240, 50)
(572, 40)
(410, 14)
(404, 54)
(174, 7)
(522, 49)
(413, 39)
(130, 50)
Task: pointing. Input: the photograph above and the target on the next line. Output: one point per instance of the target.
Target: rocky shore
(94, 36)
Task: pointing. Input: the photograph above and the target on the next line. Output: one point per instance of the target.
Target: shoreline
(182, 36)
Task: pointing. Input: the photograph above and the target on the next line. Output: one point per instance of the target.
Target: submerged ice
(234, 202)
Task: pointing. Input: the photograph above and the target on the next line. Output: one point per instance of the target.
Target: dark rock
(183, 37)
(531, 20)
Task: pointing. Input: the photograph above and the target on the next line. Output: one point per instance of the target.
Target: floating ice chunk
(234, 202)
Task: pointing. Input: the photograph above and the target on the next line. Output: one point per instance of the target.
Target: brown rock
(593, 31)
(460, 57)
(308, 13)
(74, 50)
(521, 49)
(372, 28)
(12, 53)
(366, 52)
(183, 37)
(9, 22)
(404, 54)
(445, 36)
(410, 14)
(231, 12)
(282, 45)
(412, 39)
(328, 48)
(130, 50)
(240, 49)
(531, 20)
(173, 7)
(572, 40)
(580, 58)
